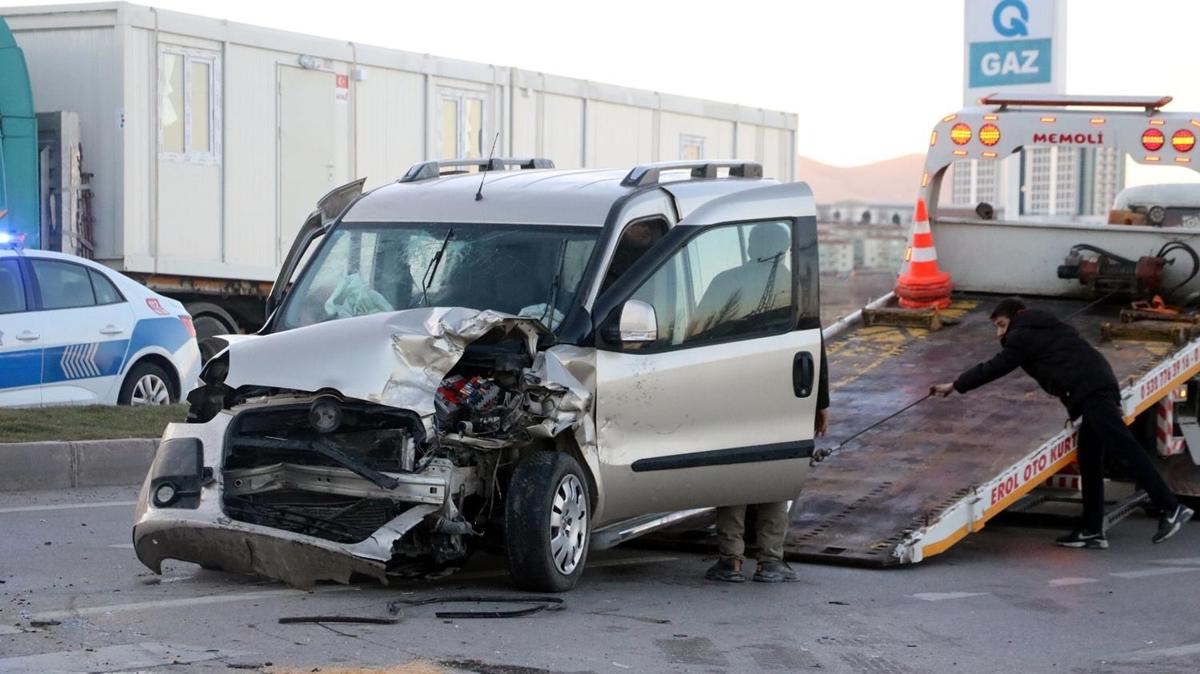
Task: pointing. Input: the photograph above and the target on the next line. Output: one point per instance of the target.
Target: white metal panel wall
(562, 130)
(777, 154)
(619, 135)
(717, 135)
(388, 108)
(91, 87)
(139, 139)
(250, 197)
(525, 123)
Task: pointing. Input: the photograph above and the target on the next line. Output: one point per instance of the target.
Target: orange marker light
(924, 180)
(1183, 140)
(1151, 157)
(1153, 140)
(949, 118)
(989, 155)
(1097, 120)
(991, 118)
(1183, 160)
(933, 139)
(1157, 122)
(989, 134)
(960, 133)
(960, 153)
(1049, 120)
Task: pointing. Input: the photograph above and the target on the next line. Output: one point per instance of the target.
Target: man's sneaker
(726, 570)
(774, 571)
(1083, 539)
(1168, 524)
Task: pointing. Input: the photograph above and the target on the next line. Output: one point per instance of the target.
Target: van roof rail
(428, 170)
(649, 174)
(1065, 100)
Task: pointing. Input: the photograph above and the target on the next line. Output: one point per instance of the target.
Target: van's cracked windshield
(364, 269)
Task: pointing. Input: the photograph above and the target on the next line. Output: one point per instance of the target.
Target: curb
(29, 466)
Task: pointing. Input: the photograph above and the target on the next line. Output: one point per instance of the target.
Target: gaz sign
(1013, 43)
(1010, 62)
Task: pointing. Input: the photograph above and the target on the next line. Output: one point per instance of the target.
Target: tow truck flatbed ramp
(917, 483)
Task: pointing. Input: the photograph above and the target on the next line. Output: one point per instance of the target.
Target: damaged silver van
(498, 354)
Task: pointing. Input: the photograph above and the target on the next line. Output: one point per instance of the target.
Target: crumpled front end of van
(376, 445)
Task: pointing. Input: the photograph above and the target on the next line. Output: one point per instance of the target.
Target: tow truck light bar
(1149, 103)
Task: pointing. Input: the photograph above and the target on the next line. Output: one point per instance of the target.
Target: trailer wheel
(547, 522)
(210, 320)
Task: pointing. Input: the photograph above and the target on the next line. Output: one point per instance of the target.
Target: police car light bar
(1063, 101)
(12, 239)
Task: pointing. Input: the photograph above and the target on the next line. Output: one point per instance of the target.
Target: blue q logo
(1017, 24)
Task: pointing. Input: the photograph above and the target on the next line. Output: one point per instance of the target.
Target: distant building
(865, 213)
(849, 248)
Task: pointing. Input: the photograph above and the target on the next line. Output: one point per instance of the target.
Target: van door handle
(803, 371)
(111, 330)
(29, 336)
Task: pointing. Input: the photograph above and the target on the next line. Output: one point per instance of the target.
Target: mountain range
(891, 181)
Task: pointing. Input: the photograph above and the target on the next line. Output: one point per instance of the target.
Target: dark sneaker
(774, 572)
(1168, 524)
(726, 571)
(1083, 539)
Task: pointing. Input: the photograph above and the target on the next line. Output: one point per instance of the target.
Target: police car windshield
(370, 268)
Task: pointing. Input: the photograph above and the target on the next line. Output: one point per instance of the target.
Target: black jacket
(1051, 352)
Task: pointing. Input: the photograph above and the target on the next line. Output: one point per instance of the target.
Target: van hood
(396, 358)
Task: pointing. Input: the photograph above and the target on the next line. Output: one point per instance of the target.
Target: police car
(74, 332)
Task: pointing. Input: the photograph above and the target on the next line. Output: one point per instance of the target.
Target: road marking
(1186, 561)
(188, 601)
(1067, 582)
(123, 546)
(1155, 655)
(111, 658)
(9, 629)
(68, 506)
(1146, 573)
(497, 573)
(943, 596)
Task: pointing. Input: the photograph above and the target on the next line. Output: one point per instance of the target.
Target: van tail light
(187, 323)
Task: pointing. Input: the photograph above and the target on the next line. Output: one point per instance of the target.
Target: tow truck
(911, 475)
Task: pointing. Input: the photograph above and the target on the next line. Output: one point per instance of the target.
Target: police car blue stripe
(167, 332)
(83, 361)
(20, 368)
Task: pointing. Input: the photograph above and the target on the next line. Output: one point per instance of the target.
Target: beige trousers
(770, 522)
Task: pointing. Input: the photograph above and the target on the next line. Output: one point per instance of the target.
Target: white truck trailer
(209, 141)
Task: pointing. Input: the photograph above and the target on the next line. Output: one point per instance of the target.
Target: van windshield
(370, 268)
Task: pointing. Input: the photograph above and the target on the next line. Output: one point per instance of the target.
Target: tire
(210, 320)
(156, 386)
(543, 556)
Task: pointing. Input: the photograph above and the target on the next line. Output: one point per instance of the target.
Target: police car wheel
(147, 384)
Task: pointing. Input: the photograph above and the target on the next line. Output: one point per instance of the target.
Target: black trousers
(1104, 431)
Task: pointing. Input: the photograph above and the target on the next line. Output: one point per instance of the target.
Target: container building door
(307, 151)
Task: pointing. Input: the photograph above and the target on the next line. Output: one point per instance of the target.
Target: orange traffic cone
(921, 284)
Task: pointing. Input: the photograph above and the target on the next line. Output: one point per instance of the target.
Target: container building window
(691, 147)
(460, 124)
(189, 120)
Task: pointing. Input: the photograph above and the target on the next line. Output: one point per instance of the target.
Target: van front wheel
(547, 522)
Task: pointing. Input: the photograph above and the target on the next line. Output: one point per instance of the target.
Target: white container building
(210, 141)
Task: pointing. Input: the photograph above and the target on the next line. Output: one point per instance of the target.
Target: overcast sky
(868, 78)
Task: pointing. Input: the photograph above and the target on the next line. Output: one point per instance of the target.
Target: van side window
(728, 283)
(12, 290)
(637, 238)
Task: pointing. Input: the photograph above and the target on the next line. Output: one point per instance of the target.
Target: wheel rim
(150, 389)
(568, 524)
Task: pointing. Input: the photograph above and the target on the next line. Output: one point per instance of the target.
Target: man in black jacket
(1066, 366)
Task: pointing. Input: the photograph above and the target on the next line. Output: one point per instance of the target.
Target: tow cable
(822, 454)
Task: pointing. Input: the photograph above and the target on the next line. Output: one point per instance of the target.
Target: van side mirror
(638, 322)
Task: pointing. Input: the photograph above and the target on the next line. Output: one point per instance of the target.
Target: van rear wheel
(547, 522)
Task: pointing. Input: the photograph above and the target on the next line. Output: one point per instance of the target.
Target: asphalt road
(74, 598)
